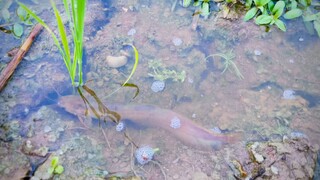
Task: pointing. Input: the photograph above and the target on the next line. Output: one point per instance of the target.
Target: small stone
(131, 32)
(176, 41)
(158, 86)
(257, 53)
(258, 157)
(301, 39)
(274, 170)
(47, 129)
(116, 61)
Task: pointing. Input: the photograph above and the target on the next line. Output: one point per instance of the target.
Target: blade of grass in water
(136, 61)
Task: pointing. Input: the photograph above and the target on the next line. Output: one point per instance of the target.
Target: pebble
(301, 39)
(288, 94)
(257, 53)
(176, 41)
(131, 32)
(158, 86)
(176, 176)
(116, 61)
(274, 170)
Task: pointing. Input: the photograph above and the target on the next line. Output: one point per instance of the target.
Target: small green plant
(55, 167)
(312, 20)
(228, 63)
(203, 4)
(15, 23)
(161, 73)
(76, 23)
(268, 12)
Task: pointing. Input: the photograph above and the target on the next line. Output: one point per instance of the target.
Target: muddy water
(207, 96)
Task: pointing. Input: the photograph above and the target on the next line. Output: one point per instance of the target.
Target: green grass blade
(136, 61)
(55, 39)
(63, 36)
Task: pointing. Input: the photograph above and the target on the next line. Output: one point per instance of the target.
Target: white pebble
(131, 32)
(47, 129)
(257, 53)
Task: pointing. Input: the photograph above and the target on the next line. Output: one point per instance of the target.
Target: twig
(8, 71)
(105, 137)
(161, 169)
(131, 160)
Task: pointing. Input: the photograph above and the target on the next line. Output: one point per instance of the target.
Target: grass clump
(75, 10)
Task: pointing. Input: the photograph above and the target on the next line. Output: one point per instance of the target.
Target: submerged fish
(151, 116)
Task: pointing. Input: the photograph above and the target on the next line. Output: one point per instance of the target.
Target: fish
(152, 116)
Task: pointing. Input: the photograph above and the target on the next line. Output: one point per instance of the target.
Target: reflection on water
(210, 96)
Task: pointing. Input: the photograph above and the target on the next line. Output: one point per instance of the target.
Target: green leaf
(59, 169)
(51, 170)
(294, 4)
(280, 25)
(250, 14)
(270, 5)
(186, 3)
(311, 17)
(205, 9)
(136, 61)
(263, 19)
(17, 30)
(278, 9)
(309, 27)
(263, 2)
(317, 27)
(54, 161)
(22, 13)
(5, 14)
(248, 4)
(294, 13)
(196, 3)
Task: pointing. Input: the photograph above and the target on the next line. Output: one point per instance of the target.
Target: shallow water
(207, 96)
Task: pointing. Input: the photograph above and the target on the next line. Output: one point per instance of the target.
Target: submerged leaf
(22, 13)
(317, 27)
(250, 14)
(263, 19)
(17, 29)
(280, 25)
(294, 13)
(5, 14)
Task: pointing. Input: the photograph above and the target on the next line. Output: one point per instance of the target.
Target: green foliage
(76, 23)
(228, 63)
(312, 20)
(15, 23)
(161, 73)
(204, 6)
(55, 168)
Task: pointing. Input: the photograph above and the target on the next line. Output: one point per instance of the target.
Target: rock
(116, 61)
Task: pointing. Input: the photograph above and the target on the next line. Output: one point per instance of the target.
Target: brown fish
(152, 116)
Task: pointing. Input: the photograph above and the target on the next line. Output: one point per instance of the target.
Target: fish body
(152, 116)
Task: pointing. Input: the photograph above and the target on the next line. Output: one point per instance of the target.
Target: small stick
(8, 71)
(105, 137)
